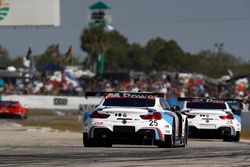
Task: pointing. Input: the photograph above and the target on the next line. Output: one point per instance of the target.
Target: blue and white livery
(215, 118)
(134, 118)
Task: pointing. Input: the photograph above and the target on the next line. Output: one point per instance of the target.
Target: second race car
(13, 109)
(134, 118)
(213, 118)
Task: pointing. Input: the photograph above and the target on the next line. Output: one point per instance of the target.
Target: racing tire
(168, 143)
(185, 140)
(169, 140)
(104, 142)
(107, 143)
(104, 139)
(18, 117)
(225, 138)
(237, 137)
(24, 117)
(87, 142)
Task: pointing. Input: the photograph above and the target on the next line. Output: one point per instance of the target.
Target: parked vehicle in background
(13, 109)
(134, 118)
(213, 118)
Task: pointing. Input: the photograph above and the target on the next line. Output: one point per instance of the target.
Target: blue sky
(195, 24)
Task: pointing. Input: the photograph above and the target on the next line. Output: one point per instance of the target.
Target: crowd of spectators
(177, 85)
(40, 84)
(173, 85)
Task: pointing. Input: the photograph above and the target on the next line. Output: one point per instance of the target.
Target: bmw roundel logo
(124, 121)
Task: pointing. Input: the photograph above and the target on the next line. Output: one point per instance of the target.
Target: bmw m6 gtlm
(213, 118)
(134, 118)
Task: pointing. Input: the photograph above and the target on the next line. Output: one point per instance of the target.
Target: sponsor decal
(4, 9)
(86, 107)
(131, 95)
(124, 121)
(60, 101)
(98, 123)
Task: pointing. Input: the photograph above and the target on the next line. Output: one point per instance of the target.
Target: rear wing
(212, 99)
(231, 102)
(124, 94)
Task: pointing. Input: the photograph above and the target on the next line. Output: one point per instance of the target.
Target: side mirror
(176, 108)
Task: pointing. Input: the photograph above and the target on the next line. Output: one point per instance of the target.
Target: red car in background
(13, 109)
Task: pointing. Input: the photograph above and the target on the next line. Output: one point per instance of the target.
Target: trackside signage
(30, 13)
(124, 94)
(54, 102)
(4, 9)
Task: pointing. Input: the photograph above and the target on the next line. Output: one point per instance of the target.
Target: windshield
(6, 103)
(206, 105)
(234, 105)
(129, 102)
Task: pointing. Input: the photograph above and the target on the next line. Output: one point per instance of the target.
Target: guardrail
(53, 102)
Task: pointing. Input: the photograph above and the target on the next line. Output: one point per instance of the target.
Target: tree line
(157, 55)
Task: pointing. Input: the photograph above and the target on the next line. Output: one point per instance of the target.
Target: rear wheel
(169, 139)
(105, 142)
(168, 143)
(87, 142)
(103, 138)
(185, 142)
(237, 137)
(108, 143)
(226, 138)
(24, 116)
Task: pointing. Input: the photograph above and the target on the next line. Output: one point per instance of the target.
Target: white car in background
(134, 118)
(213, 118)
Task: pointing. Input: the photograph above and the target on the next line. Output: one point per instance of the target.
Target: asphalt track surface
(198, 153)
(38, 147)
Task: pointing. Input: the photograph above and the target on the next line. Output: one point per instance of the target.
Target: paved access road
(32, 147)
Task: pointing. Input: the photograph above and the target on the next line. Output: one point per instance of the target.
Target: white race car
(134, 118)
(215, 118)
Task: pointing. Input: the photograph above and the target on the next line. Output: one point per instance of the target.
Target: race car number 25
(153, 123)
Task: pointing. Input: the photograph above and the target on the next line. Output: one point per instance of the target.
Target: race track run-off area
(22, 146)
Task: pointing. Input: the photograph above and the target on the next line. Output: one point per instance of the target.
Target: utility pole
(218, 48)
(219, 51)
